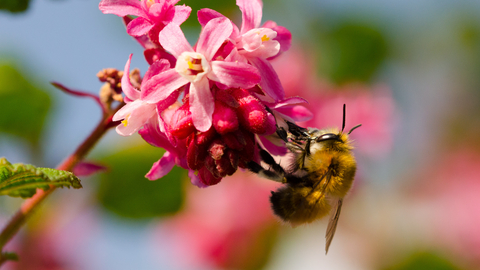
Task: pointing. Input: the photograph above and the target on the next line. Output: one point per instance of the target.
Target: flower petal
(86, 168)
(289, 101)
(143, 40)
(138, 117)
(127, 87)
(194, 179)
(205, 15)
(201, 104)
(283, 35)
(173, 40)
(215, 32)
(159, 10)
(181, 14)
(270, 82)
(122, 7)
(296, 112)
(273, 148)
(234, 56)
(126, 110)
(155, 54)
(139, 27)
(234, 74)
(156, 68)
(251, 14)
(152, 135)
(162, 167)
(160, 86)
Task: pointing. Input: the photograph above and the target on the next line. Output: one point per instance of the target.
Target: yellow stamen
(190, 65)
(265, 38)
(125, 121)
(150, 3)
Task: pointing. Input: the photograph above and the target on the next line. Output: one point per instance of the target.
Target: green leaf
(125, 191)
(22, 180)
(9, 256)
(14, 5)
(23, 107)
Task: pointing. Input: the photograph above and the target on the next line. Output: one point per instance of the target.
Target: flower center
(192, 66)
(150, 3)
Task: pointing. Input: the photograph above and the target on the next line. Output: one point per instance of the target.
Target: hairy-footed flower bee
(319, 178)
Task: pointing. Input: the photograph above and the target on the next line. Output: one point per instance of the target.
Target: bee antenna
(355, 127)
(343, 123)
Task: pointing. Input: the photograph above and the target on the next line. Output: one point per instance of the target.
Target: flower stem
(31, 204)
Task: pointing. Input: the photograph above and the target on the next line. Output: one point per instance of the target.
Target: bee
(319, 178)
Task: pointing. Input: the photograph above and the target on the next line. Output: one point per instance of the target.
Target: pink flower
(152, 15)
(174, 155)
(198, 67)
(257, 44)
(136, 111)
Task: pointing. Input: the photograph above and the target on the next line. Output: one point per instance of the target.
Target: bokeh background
(409, 71)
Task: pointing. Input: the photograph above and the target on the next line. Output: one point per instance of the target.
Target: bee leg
(282, 133)
(267, 174)
(297, 131)
(267, 158)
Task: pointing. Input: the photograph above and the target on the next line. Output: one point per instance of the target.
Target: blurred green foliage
(351, 51)
(125, 191)
(227, 8)
(423, 261)
(24, 107)
(14, 5)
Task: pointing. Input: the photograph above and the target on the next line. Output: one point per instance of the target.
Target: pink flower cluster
(208, 105)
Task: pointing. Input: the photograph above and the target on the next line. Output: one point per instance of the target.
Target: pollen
(194, 65)
(265, 38)
(125, 121)
(190, 65)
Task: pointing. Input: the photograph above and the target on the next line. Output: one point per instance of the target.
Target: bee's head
(328, 137)
(331, 139)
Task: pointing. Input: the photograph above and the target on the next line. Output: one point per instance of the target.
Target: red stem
(31, 204)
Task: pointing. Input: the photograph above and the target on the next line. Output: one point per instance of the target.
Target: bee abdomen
(292, 205)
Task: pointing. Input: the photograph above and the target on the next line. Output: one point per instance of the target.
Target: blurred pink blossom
(451, 186)
(373, 107)
(222, 226)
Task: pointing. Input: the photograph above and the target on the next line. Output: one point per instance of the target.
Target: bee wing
(332, 224)
(319, 186)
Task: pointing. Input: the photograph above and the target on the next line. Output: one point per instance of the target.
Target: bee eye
(328, 136)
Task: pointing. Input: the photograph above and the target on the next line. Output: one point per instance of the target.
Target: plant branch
(31, 204)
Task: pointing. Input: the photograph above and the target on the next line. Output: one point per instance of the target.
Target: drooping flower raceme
(206, 105)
